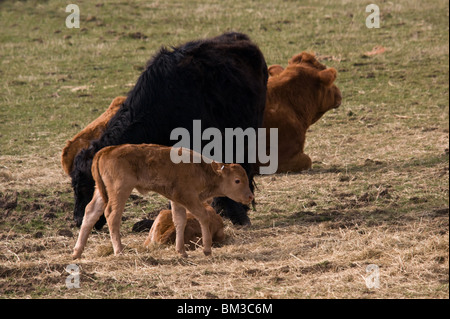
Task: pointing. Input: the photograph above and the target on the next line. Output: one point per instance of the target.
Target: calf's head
(234, 182)
(311, 84)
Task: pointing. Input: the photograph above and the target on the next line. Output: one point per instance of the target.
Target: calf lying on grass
(117, 170)
(163, 229)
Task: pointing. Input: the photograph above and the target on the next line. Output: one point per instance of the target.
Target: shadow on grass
(371, 165)
(359, 216)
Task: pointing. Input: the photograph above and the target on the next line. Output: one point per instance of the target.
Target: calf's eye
(237, 181)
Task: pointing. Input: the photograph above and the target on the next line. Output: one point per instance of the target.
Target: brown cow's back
(91, 132)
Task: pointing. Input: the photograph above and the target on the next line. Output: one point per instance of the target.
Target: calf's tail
(98, 177)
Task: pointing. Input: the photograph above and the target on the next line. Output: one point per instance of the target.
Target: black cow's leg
(81, 201)
(100, 223)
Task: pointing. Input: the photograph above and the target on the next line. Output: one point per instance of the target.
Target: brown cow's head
(311, 85)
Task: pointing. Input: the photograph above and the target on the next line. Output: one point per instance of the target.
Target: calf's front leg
(201, 214)
(113, 214)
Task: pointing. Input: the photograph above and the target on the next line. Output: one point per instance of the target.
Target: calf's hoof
(207, 252)
(118, 252)
(76, 254)
(183, 254)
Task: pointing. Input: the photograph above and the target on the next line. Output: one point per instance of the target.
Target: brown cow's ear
(296, 59)
(328, 76)
(304, 57)
(275, 69)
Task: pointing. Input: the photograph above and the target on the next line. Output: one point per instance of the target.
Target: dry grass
(298, 261)
(312, 237)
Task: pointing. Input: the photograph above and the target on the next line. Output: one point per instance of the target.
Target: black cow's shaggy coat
(221, 81)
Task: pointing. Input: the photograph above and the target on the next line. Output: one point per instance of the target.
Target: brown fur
(163, 229)
(117, 170)
(91, 132)
(297, 97)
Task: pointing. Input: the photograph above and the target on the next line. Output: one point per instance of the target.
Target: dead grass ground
(313, 236)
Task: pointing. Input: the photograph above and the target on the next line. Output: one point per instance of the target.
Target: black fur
(222, 81)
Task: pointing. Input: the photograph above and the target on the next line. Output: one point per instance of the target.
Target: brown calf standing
(117, 170)
(163, 230)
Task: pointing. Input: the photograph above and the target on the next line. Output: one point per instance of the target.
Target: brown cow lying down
(296, 98)
(91, 132)
(117, 170)
(163, 229)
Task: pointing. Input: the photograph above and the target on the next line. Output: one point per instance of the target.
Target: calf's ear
(328, 76)
(217, 167)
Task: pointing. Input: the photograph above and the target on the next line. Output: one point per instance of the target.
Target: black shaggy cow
(221, 81)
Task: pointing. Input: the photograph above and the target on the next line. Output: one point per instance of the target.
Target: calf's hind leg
(93, 212)
(179, 220)
(113, 214)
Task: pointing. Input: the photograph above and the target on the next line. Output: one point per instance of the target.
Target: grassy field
(377, 193)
